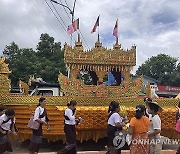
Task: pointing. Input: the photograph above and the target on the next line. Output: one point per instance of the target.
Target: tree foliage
(46, 62)
(163, 68)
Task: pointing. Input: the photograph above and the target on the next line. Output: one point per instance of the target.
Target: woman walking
(138, 128)
(40, 116)
(7, 121)
(69, 129)
(114, 124)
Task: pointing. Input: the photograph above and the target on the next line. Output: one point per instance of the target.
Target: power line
(57, 18)
(65, 10)
(46, 20)
(61, 19)
(79, 29)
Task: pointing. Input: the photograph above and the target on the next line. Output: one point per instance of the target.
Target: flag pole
(117, 33)
(98, 29)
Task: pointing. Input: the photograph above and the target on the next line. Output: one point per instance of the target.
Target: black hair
(179, 105)
(140, 109)
(113, 106)
(2, 109)
(147, 99)
(153, 107)
(41, 100)
(72, 102)
(9, 112)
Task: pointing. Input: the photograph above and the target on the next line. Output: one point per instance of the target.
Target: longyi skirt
(36, 140)
(5, 144)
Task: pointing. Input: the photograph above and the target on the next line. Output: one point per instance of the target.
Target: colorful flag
(76, 24)
(73, 27)
(95, 26)
(70, 29)
(115, 31)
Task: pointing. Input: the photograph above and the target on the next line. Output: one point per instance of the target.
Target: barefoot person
(40, 116)
(7, 121)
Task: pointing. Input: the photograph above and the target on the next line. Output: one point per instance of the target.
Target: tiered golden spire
(98, 44)
(117, 46)
(3, 66)
(78, 44)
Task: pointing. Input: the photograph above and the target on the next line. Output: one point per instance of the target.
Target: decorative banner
(95, 25)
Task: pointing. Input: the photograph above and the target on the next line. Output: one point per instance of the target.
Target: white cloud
(154, 26)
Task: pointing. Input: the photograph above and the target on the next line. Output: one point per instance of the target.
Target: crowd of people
(145, 126)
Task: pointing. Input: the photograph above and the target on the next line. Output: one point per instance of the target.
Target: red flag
(70, 29)
(95, 26)
(115, 31)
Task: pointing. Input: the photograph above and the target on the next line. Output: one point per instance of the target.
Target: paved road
(52, 147)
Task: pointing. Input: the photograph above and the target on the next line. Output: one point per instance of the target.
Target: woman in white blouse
(69, 129)
(7, 121)
(40, 116)
(114, 124)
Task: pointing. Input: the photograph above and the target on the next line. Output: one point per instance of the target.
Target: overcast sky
(154, 26)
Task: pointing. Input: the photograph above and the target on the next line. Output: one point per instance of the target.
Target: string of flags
(75, 26)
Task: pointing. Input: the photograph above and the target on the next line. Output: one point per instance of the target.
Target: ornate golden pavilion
(99, 59)
(93, 100)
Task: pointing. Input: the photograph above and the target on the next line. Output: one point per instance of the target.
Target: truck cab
(46, 89)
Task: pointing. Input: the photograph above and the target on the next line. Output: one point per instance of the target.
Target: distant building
(160, 90)
(147, 80)
(150, 80)
(167, 91)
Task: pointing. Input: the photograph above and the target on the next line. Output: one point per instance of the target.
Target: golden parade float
(93, 100)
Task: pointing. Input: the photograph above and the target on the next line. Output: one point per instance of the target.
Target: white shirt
(147, 112)
(39, 111)
(114, 118)
(5, 126)
(155, 123)
(69, 113)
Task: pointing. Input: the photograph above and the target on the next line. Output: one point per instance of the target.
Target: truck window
(45, 93)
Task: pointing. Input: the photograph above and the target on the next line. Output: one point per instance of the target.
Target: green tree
(46, 62)
(162, 68)
(21, 62)
(50, 58)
